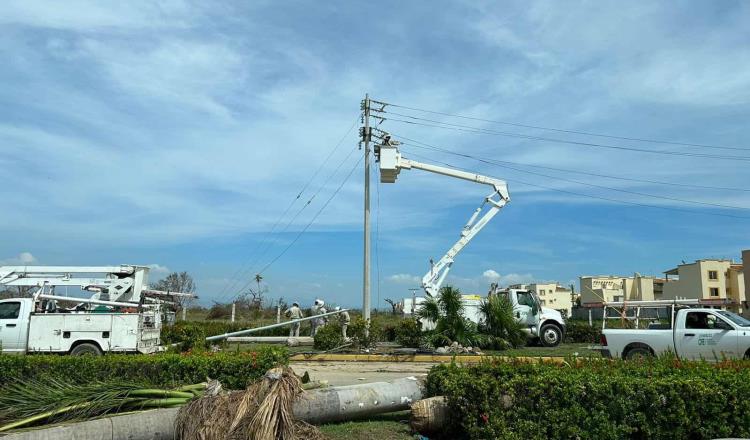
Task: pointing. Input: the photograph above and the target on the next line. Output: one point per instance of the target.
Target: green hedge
(662, 399)
(233, 370)
(581, 331)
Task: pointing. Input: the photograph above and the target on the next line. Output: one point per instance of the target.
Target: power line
(567, 170)
(477, 130)
(584, 194)
(354, 168)
(560, 130)
(251, 261)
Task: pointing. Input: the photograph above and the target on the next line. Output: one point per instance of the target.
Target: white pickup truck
(695, 333)
(24, 329)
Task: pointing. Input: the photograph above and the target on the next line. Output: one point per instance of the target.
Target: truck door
(524, 308)
(704, 335)
(11, 326)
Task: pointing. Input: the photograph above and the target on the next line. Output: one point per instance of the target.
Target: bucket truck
(542, 323)
(121, 314)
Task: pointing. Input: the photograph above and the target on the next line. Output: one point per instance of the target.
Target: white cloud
(21, 259)
(493, 276)
(405, 278)
(157, 269)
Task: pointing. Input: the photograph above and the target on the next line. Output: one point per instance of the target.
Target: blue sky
(175, 134)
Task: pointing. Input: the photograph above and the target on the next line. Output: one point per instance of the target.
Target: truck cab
(542, 323)
(14, 324)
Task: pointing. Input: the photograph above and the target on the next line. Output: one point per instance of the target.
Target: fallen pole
(293, 341)
(315, 406)
(354, 401)
(270, 326)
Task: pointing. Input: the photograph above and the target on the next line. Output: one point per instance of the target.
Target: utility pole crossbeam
(366, 134)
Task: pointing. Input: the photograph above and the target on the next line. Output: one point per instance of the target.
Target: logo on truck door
(706, 339)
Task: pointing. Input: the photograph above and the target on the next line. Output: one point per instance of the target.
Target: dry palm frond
(261, 412)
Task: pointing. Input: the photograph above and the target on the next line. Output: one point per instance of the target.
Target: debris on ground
(457, 348)
(263, 411)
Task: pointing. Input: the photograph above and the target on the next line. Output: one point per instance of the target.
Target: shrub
(661, 399)
(362, 338)
(233, 370)
(190, 335)
(409, 333)
(328, 337)
(581, 331)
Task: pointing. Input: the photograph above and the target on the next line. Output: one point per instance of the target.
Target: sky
(178, 135)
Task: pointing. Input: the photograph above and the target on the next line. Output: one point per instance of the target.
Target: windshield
(735, 318)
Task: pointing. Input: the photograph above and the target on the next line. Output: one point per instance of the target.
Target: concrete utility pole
(366, 134)
(234, 305)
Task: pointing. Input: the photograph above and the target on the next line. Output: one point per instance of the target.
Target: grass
(561, 350)
(384, 427)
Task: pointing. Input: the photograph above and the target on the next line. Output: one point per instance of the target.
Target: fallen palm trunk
(155, 424)
(317, 406)
(429, 415)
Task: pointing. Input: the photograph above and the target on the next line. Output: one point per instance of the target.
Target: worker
(319, 322)
(294, 312)
(344, 320)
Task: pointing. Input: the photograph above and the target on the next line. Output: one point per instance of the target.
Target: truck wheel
(638, 353)
(551, 335)
(85, 349)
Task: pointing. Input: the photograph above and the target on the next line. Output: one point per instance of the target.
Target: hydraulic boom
(391, 164)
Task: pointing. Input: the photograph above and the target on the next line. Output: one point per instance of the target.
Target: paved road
(350, 373)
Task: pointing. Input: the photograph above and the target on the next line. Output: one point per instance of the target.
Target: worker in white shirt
(344, 320)
(317, 323)
(294, 312)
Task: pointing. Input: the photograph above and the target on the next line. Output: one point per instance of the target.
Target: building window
(541, 292)
(713, 275)
(714, 291)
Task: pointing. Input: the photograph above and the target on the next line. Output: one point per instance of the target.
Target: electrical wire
(608, 176)
(675, 199)
(560, 130)
(315, 217)
(256, 255)
(582, 194)
(477, 130)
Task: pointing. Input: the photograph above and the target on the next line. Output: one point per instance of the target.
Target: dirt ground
(351, 373)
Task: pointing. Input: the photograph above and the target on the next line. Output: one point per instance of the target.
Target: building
(551, 295)
(612, 288)
(722, 281)
(746, 271)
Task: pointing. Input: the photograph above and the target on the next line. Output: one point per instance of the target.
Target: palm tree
(500, 322)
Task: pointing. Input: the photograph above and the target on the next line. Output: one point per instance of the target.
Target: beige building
(611, 288)
(551, 295)
(720, 280)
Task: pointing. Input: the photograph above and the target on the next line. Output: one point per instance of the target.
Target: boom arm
(391, 163)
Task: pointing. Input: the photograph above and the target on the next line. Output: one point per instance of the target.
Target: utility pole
(234, 305)
(366, 134)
